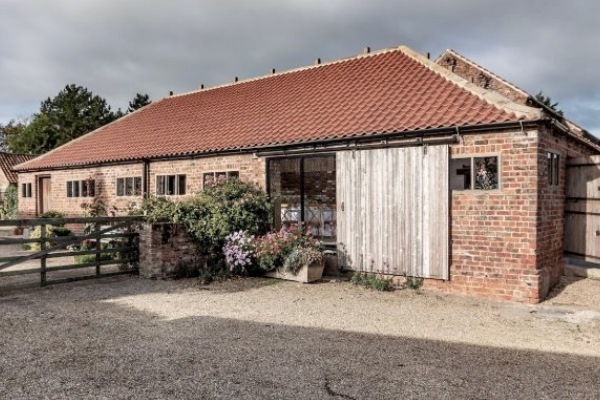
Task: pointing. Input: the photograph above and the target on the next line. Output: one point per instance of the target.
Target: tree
(9, 131)
(547, 101)
(139, 101)
(38, 137)
(73, 112)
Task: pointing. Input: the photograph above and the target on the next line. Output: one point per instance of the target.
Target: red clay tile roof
(387, 91)
(9, 160)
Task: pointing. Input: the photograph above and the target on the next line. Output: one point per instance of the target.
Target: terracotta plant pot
(306, 274)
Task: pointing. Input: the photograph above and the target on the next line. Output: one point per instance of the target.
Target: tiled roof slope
(9, 160)
(393, 90)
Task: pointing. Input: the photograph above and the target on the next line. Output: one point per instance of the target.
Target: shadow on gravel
(106, 351)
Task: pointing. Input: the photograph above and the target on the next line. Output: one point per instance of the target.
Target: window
(26, 190)
(130, 186)
(474, 173)
(170, 185)
(211, 178)
(303, 193)
(83, 188)
(553, 168)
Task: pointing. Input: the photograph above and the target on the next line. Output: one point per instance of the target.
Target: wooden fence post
(98, 248)
(43, 257)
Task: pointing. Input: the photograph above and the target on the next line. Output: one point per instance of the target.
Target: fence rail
(109, 241)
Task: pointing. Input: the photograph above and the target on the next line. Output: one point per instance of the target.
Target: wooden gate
(582, 209)
(393, 211)
(110, 241)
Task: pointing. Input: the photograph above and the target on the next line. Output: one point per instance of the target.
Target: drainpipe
(146, 179)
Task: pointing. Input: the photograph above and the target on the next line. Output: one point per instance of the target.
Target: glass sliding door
(302, 191)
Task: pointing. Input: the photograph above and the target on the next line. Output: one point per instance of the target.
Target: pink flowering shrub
(272, 249)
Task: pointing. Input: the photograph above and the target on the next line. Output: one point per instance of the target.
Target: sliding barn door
(392, 207)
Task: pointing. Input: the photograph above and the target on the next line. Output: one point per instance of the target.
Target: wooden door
(393, 211)
(582, 209)
(44, 195)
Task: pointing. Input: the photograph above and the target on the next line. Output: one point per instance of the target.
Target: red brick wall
(506, 244)
(551, 205)
(250, 169)
(480, 77)
(493, 233)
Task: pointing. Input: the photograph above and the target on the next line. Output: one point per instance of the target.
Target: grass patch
(413, 283)
(89, 258)
(371, 281)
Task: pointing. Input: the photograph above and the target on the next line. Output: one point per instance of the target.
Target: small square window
(26, 190)
(474, 173)
(137, 186)
(160, 185)
(169, 185)
(212, 178)
(460, 174)
(69, 188)
(486, 173)
(128, 186)
(180, 184)
(209, 179)
(120, 186)
(76, 188)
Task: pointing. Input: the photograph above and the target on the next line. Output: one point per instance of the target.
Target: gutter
(341, 141)
(588, 139)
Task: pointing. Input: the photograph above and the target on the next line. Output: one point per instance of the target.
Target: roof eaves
(357, 136)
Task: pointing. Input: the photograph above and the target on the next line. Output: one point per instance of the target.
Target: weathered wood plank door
(582, 209)
(44, 195)
(393, 211)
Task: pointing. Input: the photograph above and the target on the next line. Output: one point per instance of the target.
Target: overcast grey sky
(119, 47)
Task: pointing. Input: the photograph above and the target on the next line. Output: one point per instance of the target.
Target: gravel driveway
(130, 338)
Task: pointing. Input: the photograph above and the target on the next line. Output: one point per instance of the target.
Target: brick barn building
(408, 167)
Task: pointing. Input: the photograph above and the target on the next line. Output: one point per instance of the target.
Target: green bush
(363, 279)
(89, 258)
(52, 214)
(222, 209)
(10, 203)
(60, 231)
(210, 216)
(413, 283)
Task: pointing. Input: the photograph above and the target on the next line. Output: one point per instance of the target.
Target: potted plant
(291, 255)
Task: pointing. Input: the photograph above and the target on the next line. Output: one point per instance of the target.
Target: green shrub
(10, 203)
(51, 231)
(52, 214)
(412, 282)
(89, 258)
(363, 279)
(212, 215)
(60, 231)
(225, 208)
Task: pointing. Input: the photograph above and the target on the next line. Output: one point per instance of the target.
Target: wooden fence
(110, 240)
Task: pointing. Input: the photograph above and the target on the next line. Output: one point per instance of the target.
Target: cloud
(118, 48)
